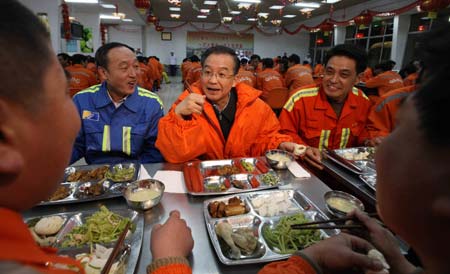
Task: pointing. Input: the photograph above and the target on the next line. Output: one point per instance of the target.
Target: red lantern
(327, 27)
(152, 19)
(159, 28)
(434, 5)
(359, 35)
(142, 4)
(319, 41)
(365, 18)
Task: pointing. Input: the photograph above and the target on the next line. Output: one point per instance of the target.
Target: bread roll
(299, 150)
(48, 225)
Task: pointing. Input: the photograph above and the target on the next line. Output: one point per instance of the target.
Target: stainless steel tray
(221, 177)
(255, 221)
(365, 166)
(370, 180)
(78, 189)
(357, 153)
(132, 243)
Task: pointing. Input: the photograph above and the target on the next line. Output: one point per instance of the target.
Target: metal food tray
(355, 150)
(366, 166)
(252, 219)
(370, 180)
(206, 177)
(109, 188)
(132, 243)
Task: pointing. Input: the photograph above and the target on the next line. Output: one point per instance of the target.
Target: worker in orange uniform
(245, 76)
(318, 72)
(145, 76)
(255, 64)
(212, 120)
(385, 80)
(157, 72)
(195, 70)
(297, 76)
(307, 65)
(334, 114)
(185, 68)
(80, 77)
(411, 75)
(367, 75)
(268, 79)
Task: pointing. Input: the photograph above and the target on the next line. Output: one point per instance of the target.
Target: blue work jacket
(112, 135)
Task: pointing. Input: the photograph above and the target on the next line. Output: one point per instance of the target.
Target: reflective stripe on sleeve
(324, 136)
(126, 140)
(344, 137)
(106, 143)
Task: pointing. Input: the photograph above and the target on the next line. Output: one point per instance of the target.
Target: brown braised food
(234, 207)
(88, 175)
(60, 193)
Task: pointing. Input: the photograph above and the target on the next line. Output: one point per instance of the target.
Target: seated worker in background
(245, 76)
(64, 59)
(411, 75)
(384, 80)
(219, 119)
(195, 70)
(32, 161)
(333, 114)
(297, 76)
(268, 78)
(80, 77)
(255, 64)
(119, 119)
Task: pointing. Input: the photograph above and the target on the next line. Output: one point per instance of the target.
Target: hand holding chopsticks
(313, 225)
(116, 250)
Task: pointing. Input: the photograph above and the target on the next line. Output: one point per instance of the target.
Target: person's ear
(103, 73)
(440, 207)
(11, 158)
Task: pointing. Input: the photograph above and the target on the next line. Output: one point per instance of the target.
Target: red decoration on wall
(326, 26)
(159, 28)
(66, 21)
(152, 19)
(365, 18)
(434, 5)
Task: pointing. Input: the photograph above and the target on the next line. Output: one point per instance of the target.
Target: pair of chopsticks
(116, 250)
(309, 225)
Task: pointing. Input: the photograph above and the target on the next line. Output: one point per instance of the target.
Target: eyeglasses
(221, 76)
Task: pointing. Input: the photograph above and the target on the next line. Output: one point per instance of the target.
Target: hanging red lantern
(434, 5)
(152, 19)
(142, 4)
(327, 27)
(319, 41)
(159, 28)
(365, 18)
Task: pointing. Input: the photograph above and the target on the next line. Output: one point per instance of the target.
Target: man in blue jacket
(119, 119)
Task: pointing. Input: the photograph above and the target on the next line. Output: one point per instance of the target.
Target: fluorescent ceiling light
(204, 10)
(244, 5)
(202, 16)
(307, 5)
(226, 18)
(306, 9)
(174, 15)
(235, 12)
(276, 7)
(252, 19)
(108, 6)
(210, 2)
(174, 9)
(127, 20)
(289, 16)
(248, 1)
(331, 1)
(110, 17)
(263, 14)
(83, 1)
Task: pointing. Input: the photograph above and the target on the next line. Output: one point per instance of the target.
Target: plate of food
(248, 228)
(359, 160)
(237, 175)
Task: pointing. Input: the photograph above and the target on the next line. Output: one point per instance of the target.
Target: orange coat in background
(367, 74)
(386, 81)
(309, 118)
(194, 74)
(185, 66)
(247, 77)
(145, 77)
(155, 76)
(410, 79)
(382, 115)
(93, 67)
(254, 131)
(267, 80)
(157, 70)
(297, 77)
(308, 67)
(319, 70)
(80, 78)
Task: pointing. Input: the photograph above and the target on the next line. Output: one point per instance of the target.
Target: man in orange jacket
(244, 75)
(81, 77)
(334, 114)
(195, 69)
(268, 78)
(219, 119)
(297, 76)
(385, 80)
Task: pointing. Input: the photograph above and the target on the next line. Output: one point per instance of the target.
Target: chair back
(277, 97)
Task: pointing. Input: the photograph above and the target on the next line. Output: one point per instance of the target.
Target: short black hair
(432, 99)
(244, 61)
(294, 58)
(64, 56)
(352, 52)
(222, 50)
(267, 62)
(101, 56)
(194, 58)
(23, 37)
(255, 57)
(78, 58)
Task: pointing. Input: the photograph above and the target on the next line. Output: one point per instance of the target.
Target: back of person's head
(142, 59)
(78, 59)
(283, 65)
(90, 59)
(64, 57)
(194, 58)
(349, 51)
(267, 62)
(294, 58)
(223, 51)
(255, 57)
(101, 56)
(22, 37)
(185, 59)
(244, 61)
(410, 68)
(305, 62)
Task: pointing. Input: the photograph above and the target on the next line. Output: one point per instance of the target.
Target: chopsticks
(308, 225)
(115, 251)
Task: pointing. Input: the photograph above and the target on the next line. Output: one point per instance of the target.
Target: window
(319, 43)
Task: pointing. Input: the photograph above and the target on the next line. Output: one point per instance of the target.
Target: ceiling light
(307, 5)
(306, 10)
(263, 14)
(204, 10)
(202, 16)
(210, 2)
(244, 5)
(289, 16)
(330, 1)
(127, 20)
(248, 1)
(226, 18)
(119, 14)
(252, 19)
(71, 18)
(174, 9)
(276, 7)
(235, 12)
(109, 17)
(174, 15)
(108, 6)
(83, 1)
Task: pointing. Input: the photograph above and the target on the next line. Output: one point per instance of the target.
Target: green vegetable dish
(284, 240)
(248, 166)
(103, 227)
(269, 179)
(120, 174)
